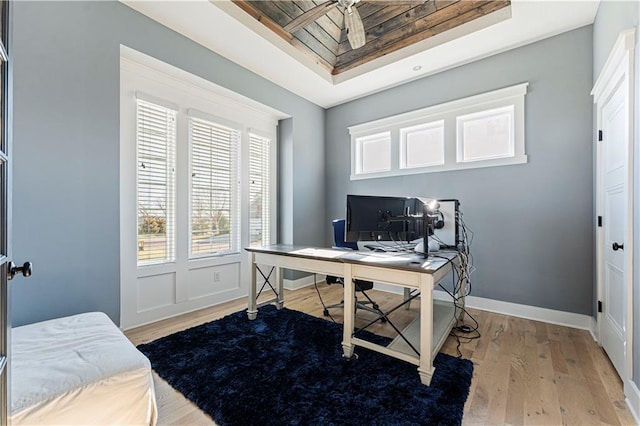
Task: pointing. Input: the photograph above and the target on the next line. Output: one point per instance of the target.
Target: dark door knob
(617, 246)
(25, 270)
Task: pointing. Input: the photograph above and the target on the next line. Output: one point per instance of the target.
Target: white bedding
(79, 370)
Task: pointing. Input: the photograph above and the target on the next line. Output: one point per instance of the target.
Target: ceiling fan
(352, 20)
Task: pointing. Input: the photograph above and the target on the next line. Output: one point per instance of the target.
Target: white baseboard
(594, 330)
(302, 282)
(633, 399)
(551, 316)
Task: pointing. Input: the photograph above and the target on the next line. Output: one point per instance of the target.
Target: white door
(614, 208)
(613, 94)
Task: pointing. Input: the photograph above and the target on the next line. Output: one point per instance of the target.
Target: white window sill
(522, 159)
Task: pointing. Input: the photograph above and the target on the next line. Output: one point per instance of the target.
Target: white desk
(429, 331)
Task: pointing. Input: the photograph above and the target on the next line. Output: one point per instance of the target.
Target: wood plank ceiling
(389, 25)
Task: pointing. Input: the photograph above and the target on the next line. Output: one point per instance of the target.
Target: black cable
(463, 333)
(324, 307)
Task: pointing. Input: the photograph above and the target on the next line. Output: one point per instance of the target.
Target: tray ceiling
(390, 26)
(223, 27)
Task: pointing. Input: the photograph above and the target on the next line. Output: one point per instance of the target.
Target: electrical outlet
(216, 276)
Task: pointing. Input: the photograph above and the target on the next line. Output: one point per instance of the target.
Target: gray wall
(65, 58)
(533, 223)
(613, 17)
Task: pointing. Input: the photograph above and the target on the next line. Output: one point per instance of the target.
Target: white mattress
(79, 370)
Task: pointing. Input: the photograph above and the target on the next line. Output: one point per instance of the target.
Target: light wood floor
(525, 372)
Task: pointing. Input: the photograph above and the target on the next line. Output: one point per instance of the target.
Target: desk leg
(407, 296)
(349, 312)
(252, 311)
(280, 284)
(426, 329)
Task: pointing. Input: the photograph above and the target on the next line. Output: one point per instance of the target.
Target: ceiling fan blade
(355, 29)
(309, 16)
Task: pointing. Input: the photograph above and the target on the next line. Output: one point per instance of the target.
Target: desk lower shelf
(443, 321)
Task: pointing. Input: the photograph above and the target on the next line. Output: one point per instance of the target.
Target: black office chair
(360, 285)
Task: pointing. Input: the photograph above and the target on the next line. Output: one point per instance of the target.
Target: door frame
(619, 64)
(5, 206)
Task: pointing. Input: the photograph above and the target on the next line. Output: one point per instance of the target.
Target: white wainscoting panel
(211, 280)
(158, 290)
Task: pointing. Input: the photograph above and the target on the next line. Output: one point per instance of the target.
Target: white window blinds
(215, 207)
(259, 194)
(156, 140)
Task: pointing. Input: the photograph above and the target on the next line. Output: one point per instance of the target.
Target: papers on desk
(317, 252)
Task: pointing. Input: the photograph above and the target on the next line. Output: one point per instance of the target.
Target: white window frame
(405, 131)
(236, 196)
(461, 120)
(513, 96)
(359, 147)
(155, 292)
(170, 225)
(272, 185)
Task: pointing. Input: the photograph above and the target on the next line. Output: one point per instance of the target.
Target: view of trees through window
(214, 186)
(156, 135)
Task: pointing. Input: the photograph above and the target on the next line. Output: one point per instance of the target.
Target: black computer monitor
(371, 218)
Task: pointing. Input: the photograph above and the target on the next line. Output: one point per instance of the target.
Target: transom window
(486, 135)
(422, 145)
(479, 131)
(373, 153)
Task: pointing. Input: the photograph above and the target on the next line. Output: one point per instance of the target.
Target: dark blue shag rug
(286, 367)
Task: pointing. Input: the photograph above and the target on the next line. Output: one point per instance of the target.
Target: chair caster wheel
(376, 307)
(383, 320)
(325, 312)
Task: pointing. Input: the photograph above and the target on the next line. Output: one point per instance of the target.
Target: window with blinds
(156, 147)
(215, 207)
(259, 179)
